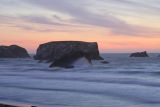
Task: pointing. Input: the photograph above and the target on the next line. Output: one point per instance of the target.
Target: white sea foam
(82, 62)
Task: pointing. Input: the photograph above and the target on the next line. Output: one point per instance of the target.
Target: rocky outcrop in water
(139, 54)
(64, 53)
(105, 62)
(13, 51)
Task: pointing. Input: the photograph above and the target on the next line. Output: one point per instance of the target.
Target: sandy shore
(5, 104)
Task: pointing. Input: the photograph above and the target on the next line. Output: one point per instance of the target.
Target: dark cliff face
(62, 52)
(13, 51)
(139, 54)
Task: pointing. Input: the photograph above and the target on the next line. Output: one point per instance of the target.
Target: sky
(117, 25)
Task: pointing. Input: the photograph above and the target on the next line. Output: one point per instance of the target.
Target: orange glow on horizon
(107, 42)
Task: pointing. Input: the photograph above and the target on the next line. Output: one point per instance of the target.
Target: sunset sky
(117, 25)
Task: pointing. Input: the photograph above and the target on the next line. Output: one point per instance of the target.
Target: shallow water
(125, 82)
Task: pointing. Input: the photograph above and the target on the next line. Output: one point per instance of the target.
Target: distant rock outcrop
(13, 51)
(64, 53)
(139, 54)
(105, 62)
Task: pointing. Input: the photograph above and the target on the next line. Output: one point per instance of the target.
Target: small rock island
(13, 51)
(64, 53)
(139, 54)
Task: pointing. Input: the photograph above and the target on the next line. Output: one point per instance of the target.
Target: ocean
(124, 82)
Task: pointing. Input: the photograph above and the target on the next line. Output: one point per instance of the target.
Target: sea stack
(139, 54)
(64, 53)
(13, 51)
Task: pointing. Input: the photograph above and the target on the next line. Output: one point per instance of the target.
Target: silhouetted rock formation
(105, 62)
(13, 51)
(139, 54)
(64, 53)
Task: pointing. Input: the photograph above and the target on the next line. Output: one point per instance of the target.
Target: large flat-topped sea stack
(139, 54)
(13, 51)
(63, 53)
